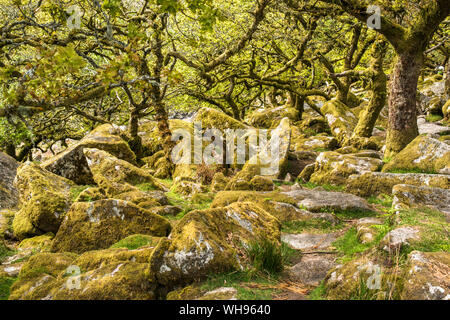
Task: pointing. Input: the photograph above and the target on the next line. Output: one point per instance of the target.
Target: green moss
(136, 241)
(433, 118)
(45, 199)
(412, 170)
(4, 251)
(327, 187)
(146, 187)
(198, 202)
(75, 191)
(5, 285)
(39, 243)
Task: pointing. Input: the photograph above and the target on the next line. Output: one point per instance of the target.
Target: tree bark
(447, 79)
(402, 128)
(370, 115)
(136, 141)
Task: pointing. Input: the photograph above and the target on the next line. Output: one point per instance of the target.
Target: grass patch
(75, 192)
(350, 214)
(318, 293)
(134, 242)
(349, 244)
(146, 187)
(186, 205)
(5, 286)
(327, 187)
(383, 200)
(265, 256)
(363, 292)
(4, 251)
(310, 225)
(433, 230)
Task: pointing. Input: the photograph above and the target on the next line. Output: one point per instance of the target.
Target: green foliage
(319, 293)
(13, 134)
(4, 251)
(363, 292)
(265, 256)
(75, 191)
(349, 244)
(433, 118)
(5, 285)
(383, 200)
(434, 229)
(134, 242)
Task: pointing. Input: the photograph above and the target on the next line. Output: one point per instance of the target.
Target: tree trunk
(402, 128)
(370, 115)
(136, 141)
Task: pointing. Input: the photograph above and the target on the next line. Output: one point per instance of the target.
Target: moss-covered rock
(215, 119)
(301, 142)
(397, 239)
(99, 224)
(72, 164)
(256, 166)
(95, 259)
(270, 118)
(322, 201)
(261, 183)
(8, 193)
(45, 198)
(38, 275)
(113, 274)
(117, 176)
(341, 119)
(375, 183)
(427, 276)
(38, 243)
(423, 153)
(334, 168)
(366, 232)
(6, 220)
(209, 241)
(151, 139)
(137, 241)
(219, 182)
(91, 194)
(365, 278)
(446, 110)
(188, 188)
(280, 205)
(185, 172)
(407, 196)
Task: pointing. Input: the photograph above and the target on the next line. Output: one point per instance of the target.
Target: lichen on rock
(44, 197)
(99, 224)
